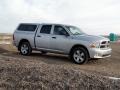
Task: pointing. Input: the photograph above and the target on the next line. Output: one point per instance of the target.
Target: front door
(60, 39)
(43, 37)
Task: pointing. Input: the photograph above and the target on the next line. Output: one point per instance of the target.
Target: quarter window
(46, 29)
(27, 27)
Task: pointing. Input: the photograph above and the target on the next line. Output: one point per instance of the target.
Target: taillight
(13, 37)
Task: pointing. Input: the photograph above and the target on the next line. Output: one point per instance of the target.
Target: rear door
(43, 37)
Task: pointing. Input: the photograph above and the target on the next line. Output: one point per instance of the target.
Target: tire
(79, 55)
(43, 52)
(25, 48)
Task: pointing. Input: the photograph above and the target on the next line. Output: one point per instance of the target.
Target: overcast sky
(92, 16)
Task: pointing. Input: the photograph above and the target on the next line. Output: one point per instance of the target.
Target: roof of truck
(48, 24)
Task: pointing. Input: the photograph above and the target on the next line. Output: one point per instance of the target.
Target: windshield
(75, 30)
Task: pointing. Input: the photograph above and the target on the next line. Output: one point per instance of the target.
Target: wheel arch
(21, 41)
(79, 45)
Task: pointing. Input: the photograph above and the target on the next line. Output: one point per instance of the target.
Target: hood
(89, 38)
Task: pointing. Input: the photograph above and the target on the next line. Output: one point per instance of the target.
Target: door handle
(38, 36)
(54, 37)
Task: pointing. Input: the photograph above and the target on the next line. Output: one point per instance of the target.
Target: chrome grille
(105, 44)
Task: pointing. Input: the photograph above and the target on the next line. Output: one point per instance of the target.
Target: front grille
(105, 44)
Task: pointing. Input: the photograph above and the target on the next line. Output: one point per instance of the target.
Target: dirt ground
(108, 66)
(58, 69)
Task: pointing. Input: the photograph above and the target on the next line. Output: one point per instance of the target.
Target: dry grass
(22, 75)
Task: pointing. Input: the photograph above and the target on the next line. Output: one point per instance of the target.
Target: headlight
(95, 45)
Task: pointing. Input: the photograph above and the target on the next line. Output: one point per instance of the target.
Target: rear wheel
(79, 55)
(25, 48)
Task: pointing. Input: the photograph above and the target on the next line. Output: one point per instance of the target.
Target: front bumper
(100, 53)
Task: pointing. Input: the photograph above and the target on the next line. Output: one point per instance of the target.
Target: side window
(46, 29)
(27, 27)
(59, 30)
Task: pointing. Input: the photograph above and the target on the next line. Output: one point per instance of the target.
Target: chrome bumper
(100, 53)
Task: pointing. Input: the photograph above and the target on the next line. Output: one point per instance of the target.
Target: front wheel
(79, 55)
(25, 48)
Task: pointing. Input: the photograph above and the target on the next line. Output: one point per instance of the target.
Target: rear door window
(46, 29)
(27, 27)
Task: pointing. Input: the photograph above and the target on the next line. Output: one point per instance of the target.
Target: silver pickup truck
(59, 38)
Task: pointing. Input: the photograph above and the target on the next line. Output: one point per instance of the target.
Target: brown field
(57, 72)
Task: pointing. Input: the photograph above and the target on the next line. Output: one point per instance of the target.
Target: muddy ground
(55, 71)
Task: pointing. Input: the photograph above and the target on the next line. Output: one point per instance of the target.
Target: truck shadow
(52, 58)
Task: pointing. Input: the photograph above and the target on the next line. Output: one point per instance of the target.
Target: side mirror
(67, 35)
(64, 33)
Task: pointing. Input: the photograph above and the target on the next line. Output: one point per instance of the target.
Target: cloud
(92, 16)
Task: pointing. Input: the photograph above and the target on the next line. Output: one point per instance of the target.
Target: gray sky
(92, 16)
